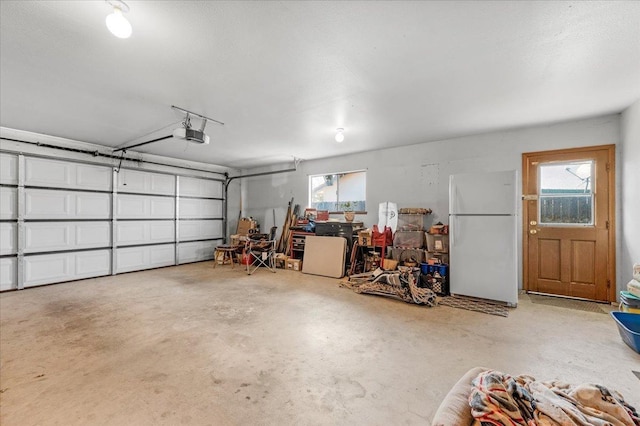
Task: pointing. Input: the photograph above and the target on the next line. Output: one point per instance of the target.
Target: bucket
(247, 259)
(442, 269)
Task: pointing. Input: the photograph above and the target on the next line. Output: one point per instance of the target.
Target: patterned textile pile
(400, 285)
(500, 399)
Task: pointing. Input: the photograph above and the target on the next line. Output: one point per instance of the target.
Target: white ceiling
(284, 75)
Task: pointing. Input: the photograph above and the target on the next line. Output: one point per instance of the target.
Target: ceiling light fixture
(116, 22)
(339, 135)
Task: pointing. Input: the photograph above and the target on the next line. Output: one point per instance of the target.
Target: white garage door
(63, 220)
(199, 218)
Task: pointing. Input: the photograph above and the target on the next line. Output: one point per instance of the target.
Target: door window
(566, 194)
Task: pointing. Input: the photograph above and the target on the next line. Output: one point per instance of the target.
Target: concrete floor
(194, 345)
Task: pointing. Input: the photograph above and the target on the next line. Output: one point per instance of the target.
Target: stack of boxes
(408, 240)
(630, 299)
(435, 273)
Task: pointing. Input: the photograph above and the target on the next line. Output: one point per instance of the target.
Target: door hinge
(607, 224)
(608, 167)
(608, 283)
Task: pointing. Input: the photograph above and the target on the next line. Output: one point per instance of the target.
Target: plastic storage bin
(437, 242)
(629, 328)
(410, 222)
(411, 239)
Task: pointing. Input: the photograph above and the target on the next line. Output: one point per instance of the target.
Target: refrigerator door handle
(453, 197)
(453, 227)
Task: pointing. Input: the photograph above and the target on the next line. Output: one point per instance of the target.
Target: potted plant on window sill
(349, 214)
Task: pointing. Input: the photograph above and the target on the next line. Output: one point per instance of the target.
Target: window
(338, 192)
(566, 193)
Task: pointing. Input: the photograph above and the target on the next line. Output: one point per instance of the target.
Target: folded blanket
(499, 399)
(633, 287)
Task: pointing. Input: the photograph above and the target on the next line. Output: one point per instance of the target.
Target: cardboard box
(244, 225)
(365, 238)
(281, 260)
(294, 264)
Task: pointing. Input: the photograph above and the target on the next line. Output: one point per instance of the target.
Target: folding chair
(261, 249)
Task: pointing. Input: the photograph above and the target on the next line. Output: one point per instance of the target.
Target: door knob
(533, 231)
(533, 223)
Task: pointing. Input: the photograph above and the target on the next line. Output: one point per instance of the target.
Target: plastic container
(629, 328)
(629, 299)
(410, 239)
(437, 242)
(410, 222)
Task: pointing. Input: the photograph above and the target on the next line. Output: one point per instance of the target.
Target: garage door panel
(131, 206)
(55, 236)
(93, 177)
(200, 208)
(93, 234)
(162, 231)
(8, 238)
(162, 207)
(200, 229)
(63, 174)
(89, 263)
(8, 203)
(8, 169)
(59, 267)
(54, 204)
(194, 187)
(141, 232)
(196, 251)
(8, 273)
(144, 257)
(146, 182)
(90, 205)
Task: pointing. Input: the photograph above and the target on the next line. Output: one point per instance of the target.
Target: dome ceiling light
(116, 22)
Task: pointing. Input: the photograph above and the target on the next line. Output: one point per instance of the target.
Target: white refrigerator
(482, 235)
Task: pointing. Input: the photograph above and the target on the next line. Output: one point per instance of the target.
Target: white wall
(418, 175)
(629, 252)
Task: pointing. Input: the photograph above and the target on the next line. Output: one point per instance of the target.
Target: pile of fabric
(401, 285)
(500, 399)
(633, 286)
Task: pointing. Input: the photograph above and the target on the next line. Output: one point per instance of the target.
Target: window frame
(591, 195)
(338, 212)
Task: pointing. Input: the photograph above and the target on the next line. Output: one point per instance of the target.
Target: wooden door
(568, 213)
